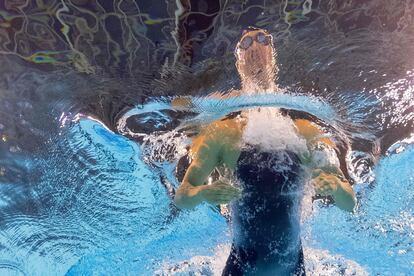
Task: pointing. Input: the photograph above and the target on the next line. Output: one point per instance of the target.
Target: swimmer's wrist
(341, 190)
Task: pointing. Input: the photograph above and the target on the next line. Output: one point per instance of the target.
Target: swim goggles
(261, 38)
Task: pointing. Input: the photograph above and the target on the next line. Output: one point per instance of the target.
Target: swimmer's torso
(266, 217)
(261, 148)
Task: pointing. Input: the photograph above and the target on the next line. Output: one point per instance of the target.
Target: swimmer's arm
(327, 179)
(312, 133)
(189, 194)
(193, 190)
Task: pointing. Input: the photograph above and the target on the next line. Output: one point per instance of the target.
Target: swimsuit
(266, 218)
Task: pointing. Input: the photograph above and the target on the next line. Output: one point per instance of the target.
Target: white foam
(322, 263)
(317, 262)
(199, 265)
(272, 131)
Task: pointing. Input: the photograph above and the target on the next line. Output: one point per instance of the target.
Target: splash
(206, 109)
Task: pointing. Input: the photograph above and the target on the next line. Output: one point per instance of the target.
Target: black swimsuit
(266, 218)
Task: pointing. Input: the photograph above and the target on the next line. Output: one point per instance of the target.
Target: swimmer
(264, 159)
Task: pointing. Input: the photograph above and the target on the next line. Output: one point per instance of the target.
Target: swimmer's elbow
(187, 197)
(182, 202)
(179, 202)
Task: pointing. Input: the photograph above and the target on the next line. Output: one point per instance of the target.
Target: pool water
(115, 218)
(90, 143)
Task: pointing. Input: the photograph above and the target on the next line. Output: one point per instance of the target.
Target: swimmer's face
(255, 57)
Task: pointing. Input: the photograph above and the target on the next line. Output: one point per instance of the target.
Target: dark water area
(99, 58)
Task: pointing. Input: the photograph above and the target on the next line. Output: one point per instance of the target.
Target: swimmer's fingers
(325, 185)
(319, 182)
(225, 192)
(221, 184)
(220, 193)
(219, 198)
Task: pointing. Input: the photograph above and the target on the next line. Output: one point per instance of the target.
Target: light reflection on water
(379, 236)
(89, 179)
(98, 207)
(337, 242)
(112, 218)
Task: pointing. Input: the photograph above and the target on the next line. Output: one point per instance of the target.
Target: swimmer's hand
(220, 192)
(328, 183)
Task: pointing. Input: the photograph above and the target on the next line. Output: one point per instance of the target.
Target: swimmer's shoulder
(226, 128)
(309, 127)
(220, 131)
(312, 132)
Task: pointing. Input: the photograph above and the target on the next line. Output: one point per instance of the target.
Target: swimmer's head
(256, 63)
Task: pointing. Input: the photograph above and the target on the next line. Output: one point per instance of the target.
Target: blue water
(108, 214)
(379, 236)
